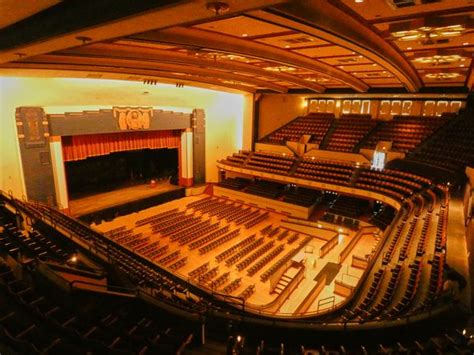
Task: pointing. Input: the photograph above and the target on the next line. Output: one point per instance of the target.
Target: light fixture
(427, 34)
(442, 76)
(282, 68)
(217, 7)
(316, 80)
(84, 39)
(245, 34)
(438, 59)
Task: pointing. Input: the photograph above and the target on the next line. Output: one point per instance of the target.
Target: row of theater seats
(406, 132)
(446, 340)
(383, 217)
(30, 244)
(408, 238)
(243, 252)
(239, 246)
(224, 239)
(315, 126)
(255, 255)
(209, 237)
(265, 260)
(139, 271)
(297, 196)
(394, 183)
(348, 206)
(38, 318)
(351, 131)
(413, 260)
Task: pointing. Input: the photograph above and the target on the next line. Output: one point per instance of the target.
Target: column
(186, 177)
(59, 173)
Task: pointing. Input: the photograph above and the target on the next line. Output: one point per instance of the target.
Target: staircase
(365, 138)
(324, 143)
(294, 166)
(437, 134)
(354, 176)
(282, 283)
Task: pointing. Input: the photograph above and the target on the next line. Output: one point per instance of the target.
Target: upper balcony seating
(406, 132)
(452, 149)
(312, 169)
(270, 162)
(350, 129)
(315, 125)
(397, 184)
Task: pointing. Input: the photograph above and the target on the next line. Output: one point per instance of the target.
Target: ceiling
(252, 46)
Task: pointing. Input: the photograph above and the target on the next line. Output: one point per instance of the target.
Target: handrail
(120, 289)
(284, 320)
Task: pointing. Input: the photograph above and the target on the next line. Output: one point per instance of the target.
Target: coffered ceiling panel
(325, 51)
(292, 41)
(269, 45)
(242, 26)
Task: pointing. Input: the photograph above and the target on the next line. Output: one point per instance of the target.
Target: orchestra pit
(236, 177)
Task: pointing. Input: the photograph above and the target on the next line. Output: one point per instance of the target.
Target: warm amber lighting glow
(428, 33)
(283, 68)
(442, 76)
(438, 59)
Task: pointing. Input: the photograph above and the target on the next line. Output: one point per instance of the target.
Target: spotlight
(73, 259)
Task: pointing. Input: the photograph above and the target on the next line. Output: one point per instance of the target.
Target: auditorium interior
(236, 177)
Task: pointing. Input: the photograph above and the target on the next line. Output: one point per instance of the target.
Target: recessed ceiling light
(461, 65)
(287, 46)
(359, 1)
(361, 56)
(374, 65)
(465, 43)
(245, 34)
(409, 48)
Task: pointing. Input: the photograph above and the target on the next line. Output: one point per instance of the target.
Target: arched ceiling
(256, 45)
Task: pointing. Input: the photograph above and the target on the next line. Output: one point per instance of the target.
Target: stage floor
(94, 203)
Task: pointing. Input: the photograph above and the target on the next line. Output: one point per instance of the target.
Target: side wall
(276, 109)
(228, 117)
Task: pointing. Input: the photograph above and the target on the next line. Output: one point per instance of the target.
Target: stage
(127, 200)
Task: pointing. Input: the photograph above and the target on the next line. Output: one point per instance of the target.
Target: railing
(218, 306)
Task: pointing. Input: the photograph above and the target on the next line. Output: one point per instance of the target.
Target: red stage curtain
(91, 145)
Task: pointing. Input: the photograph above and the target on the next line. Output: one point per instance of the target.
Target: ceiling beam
(167, 56)
(339, 26)
(131, 64)
(220, 42)
(68, 24)
(149, 74)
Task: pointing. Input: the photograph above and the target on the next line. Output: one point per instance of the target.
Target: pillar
(186, 177)
(59, 173)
